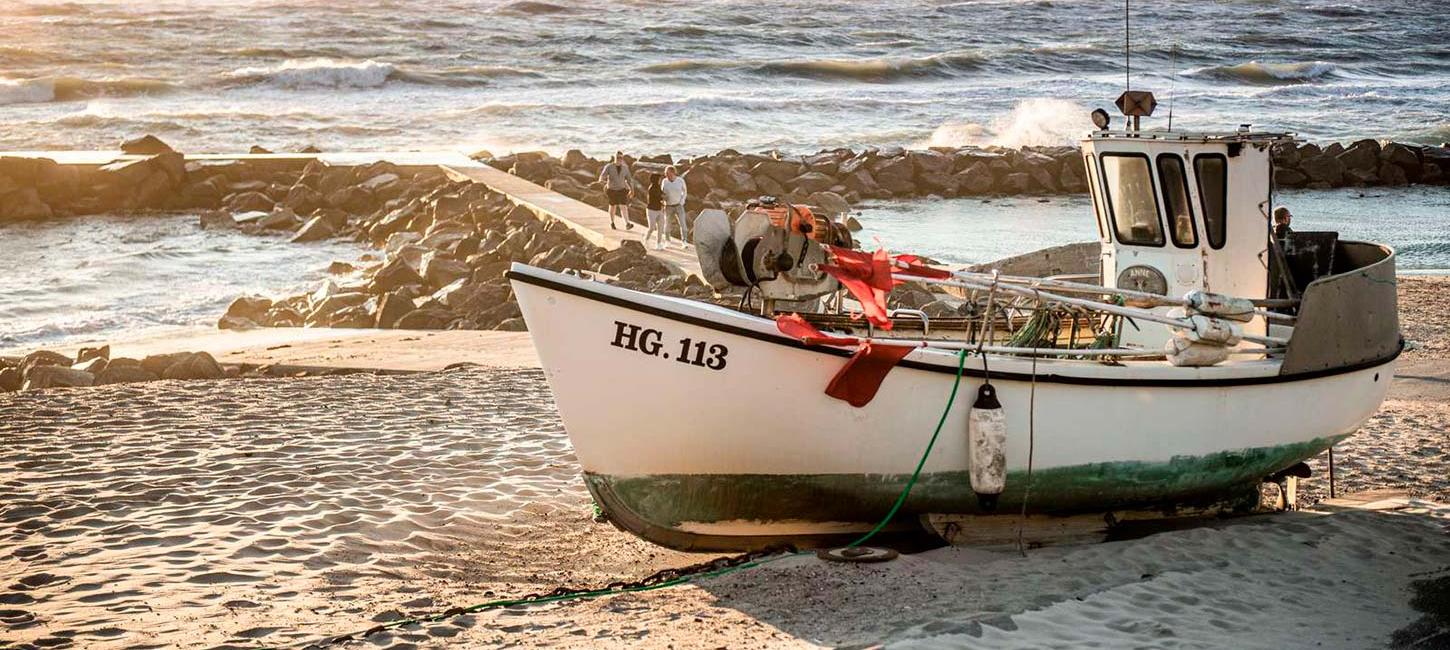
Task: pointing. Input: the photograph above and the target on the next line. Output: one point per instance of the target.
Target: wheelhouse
(1182, 211)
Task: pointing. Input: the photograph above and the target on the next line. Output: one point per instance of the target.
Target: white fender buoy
(987, 447)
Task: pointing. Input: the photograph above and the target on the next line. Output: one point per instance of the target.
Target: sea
(685, 77)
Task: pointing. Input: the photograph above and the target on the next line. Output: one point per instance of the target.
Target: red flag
(867, 277)
(907, 264)
(858, 380)
(794, 326)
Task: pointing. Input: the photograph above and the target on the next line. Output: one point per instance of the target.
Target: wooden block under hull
(1038, 530)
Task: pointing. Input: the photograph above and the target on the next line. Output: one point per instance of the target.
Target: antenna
(1172, 84)
(1127, 50)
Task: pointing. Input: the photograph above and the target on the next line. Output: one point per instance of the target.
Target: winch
(773, 247)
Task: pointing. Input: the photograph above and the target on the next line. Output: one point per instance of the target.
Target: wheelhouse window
(1174, 178)
(1098, 211)
(1212, 172)
(1128, 187)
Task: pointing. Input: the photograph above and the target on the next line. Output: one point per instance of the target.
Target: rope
(906, 491)
(1031, 448)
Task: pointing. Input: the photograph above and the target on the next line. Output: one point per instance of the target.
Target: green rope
(906, 491)
(675, 582)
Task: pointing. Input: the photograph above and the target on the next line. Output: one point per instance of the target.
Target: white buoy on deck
(987, 447)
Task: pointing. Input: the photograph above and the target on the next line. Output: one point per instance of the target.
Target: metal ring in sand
(863, 554)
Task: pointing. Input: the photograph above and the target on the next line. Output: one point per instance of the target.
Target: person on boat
(618, 187)
(674, 190)
(1281, 222)
(654, 211)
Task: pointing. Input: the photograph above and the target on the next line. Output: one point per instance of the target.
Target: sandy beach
(279, 512)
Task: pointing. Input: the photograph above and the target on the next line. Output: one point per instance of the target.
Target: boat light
(1101, 119)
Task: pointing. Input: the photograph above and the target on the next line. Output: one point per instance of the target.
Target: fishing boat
(1173, 366)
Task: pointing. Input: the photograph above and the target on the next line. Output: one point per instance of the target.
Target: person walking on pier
(674, 190)
(654, 212)
(618, 187)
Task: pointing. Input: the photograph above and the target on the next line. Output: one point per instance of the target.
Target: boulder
(355, 317)
(853, 224)
(394, 274)
(740, 183)
(250, 307)
(1323, 168)
(317, 229)
(249, 202)
(86, 354)
(155, 191)
(391, 308)
(895, 175)
(1018, 183)
(56, 377)
(931, 162)
(157, 364)
(10, 379)
(258, 150)
(830, 202)
(1391, 174)
(575, 159)
(779, 171)
(44, 358)
(939, 184)
(282, 219)
(146, 144)
(236, 323)
(216, 220)
(173, 165)
(810, 183)
(94, 365)
(303, 199)
(515, 324)
(194, 365)
(1287, 177)
(324, 308)
(1361, 178)
(440, 271)
(124, 374)
(561, 257)
(425, 319)
(22, 205)
(340, 268)
(942, 309)
(1362, 155)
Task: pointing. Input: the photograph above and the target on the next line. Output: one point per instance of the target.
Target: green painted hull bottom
(655, 506)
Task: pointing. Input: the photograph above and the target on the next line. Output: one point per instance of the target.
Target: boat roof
(1244, 136)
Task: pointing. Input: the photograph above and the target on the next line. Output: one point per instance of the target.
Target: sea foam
(64, 89)
(1033, 122)
(319, 73)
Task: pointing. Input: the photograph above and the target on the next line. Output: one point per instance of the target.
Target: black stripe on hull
(515, 276)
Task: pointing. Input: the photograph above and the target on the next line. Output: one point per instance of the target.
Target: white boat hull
(738, 446)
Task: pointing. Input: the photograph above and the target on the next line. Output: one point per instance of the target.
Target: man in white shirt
(618, 186)
(673, 186)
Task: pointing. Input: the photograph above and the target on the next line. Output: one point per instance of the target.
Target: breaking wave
(67, 89)
(332, 73)
(1033, 122)
(871, 69)
(1269, 74)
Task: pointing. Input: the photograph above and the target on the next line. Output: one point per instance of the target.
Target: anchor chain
(657, 580)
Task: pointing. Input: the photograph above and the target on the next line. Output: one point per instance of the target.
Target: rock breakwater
(837, 179)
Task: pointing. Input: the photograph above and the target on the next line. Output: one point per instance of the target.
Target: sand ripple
(270, 511)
